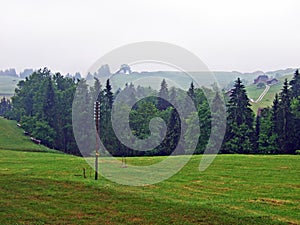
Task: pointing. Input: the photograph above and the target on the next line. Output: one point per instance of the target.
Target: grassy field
(254, 92)
(49, 188)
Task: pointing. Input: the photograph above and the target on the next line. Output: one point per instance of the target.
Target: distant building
(261, 79)
(272, 81)
(265, 80)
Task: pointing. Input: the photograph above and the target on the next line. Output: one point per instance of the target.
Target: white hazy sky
(70, 35)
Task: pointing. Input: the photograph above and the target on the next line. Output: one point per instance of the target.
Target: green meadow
(47, 187)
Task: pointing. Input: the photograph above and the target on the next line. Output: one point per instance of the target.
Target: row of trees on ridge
(43, 105)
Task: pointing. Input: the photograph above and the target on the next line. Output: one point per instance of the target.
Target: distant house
(272, 81)
(265, 80)
(261, 79)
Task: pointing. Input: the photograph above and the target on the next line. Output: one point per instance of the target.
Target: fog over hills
(9, 78)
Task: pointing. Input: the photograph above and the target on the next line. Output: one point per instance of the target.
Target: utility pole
(97, 121)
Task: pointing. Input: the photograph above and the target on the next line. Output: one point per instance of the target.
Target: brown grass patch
(284, 167)
(271, 201)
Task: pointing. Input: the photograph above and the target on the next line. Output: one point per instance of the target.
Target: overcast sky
(70, 35)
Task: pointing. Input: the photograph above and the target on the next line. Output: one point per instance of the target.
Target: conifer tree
(173, 135)
(191, 92)
(295, 107)
(240, 118)
(295, 85)
(162, 103)
(285, 129)
(267, 138)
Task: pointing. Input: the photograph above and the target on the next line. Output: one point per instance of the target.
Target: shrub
(261, 85)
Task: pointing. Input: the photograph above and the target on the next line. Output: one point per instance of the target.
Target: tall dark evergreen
(107, 133)
(240, 118)
(295, 107)
(191, 92)
(109, 96)
(173, 135)
(295, 85)
(285, 121)
(162, 103)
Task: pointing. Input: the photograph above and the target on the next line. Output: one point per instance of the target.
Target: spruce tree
(107, 133)
(191, 92)
(295, 85)
(109, 97)
(162, 103)
(284, 118)
(173, 134)
(240, 118)
(295, 107)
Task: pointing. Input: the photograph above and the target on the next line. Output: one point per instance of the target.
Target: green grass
(39, 188)
(13, 138)
(254, 92)
(49, 188)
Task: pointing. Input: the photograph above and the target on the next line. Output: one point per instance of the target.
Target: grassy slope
(254, 92)
(12, 138)
(40, 188)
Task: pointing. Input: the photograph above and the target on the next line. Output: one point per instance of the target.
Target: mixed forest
(43, 103)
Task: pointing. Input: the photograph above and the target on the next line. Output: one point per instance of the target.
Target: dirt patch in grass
(284, 168)
(271, 201)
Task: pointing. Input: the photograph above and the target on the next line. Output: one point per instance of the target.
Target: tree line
(275, 130)
(43, 105)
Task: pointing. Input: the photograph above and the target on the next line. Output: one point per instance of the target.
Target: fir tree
(240, 118)
(284, 118)
(173, 135)
(295, 85)
(162, 103)
(191, 92)
(295, 107)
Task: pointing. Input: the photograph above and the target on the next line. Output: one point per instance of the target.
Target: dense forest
(43, 103)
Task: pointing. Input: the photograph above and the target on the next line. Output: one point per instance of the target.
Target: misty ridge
(224, 78)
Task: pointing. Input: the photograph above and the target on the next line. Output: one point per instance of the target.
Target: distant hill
(225, 79)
